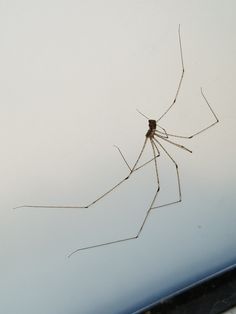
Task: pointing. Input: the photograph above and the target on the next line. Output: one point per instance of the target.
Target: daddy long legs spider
(155, 135)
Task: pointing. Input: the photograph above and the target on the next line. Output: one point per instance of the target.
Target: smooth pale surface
(72, 75)
(231, 311)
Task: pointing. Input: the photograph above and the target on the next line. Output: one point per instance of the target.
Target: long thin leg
(123, 157)
(157, 191)
(181, 78)
(98, 245)
(144, 220)
(202, 130)
(177, 173)
(176, 144)
(209, 126)
(165, 133)
(144, 164)
(100, 197)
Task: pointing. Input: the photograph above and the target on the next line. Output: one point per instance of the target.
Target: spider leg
(100, 197)
(202, 130)
(176, 144)
(144, 220)
(181, 78)
(165, 133)
(98, 245)
(123, 157)
(177, 173)
(158, 187)
(144, 164)
(213, 113)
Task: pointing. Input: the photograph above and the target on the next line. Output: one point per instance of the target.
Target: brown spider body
(152, 128)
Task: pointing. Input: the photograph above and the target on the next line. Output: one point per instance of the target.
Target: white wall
(72, 74)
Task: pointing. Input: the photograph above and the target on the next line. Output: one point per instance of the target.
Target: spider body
(152, 128)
